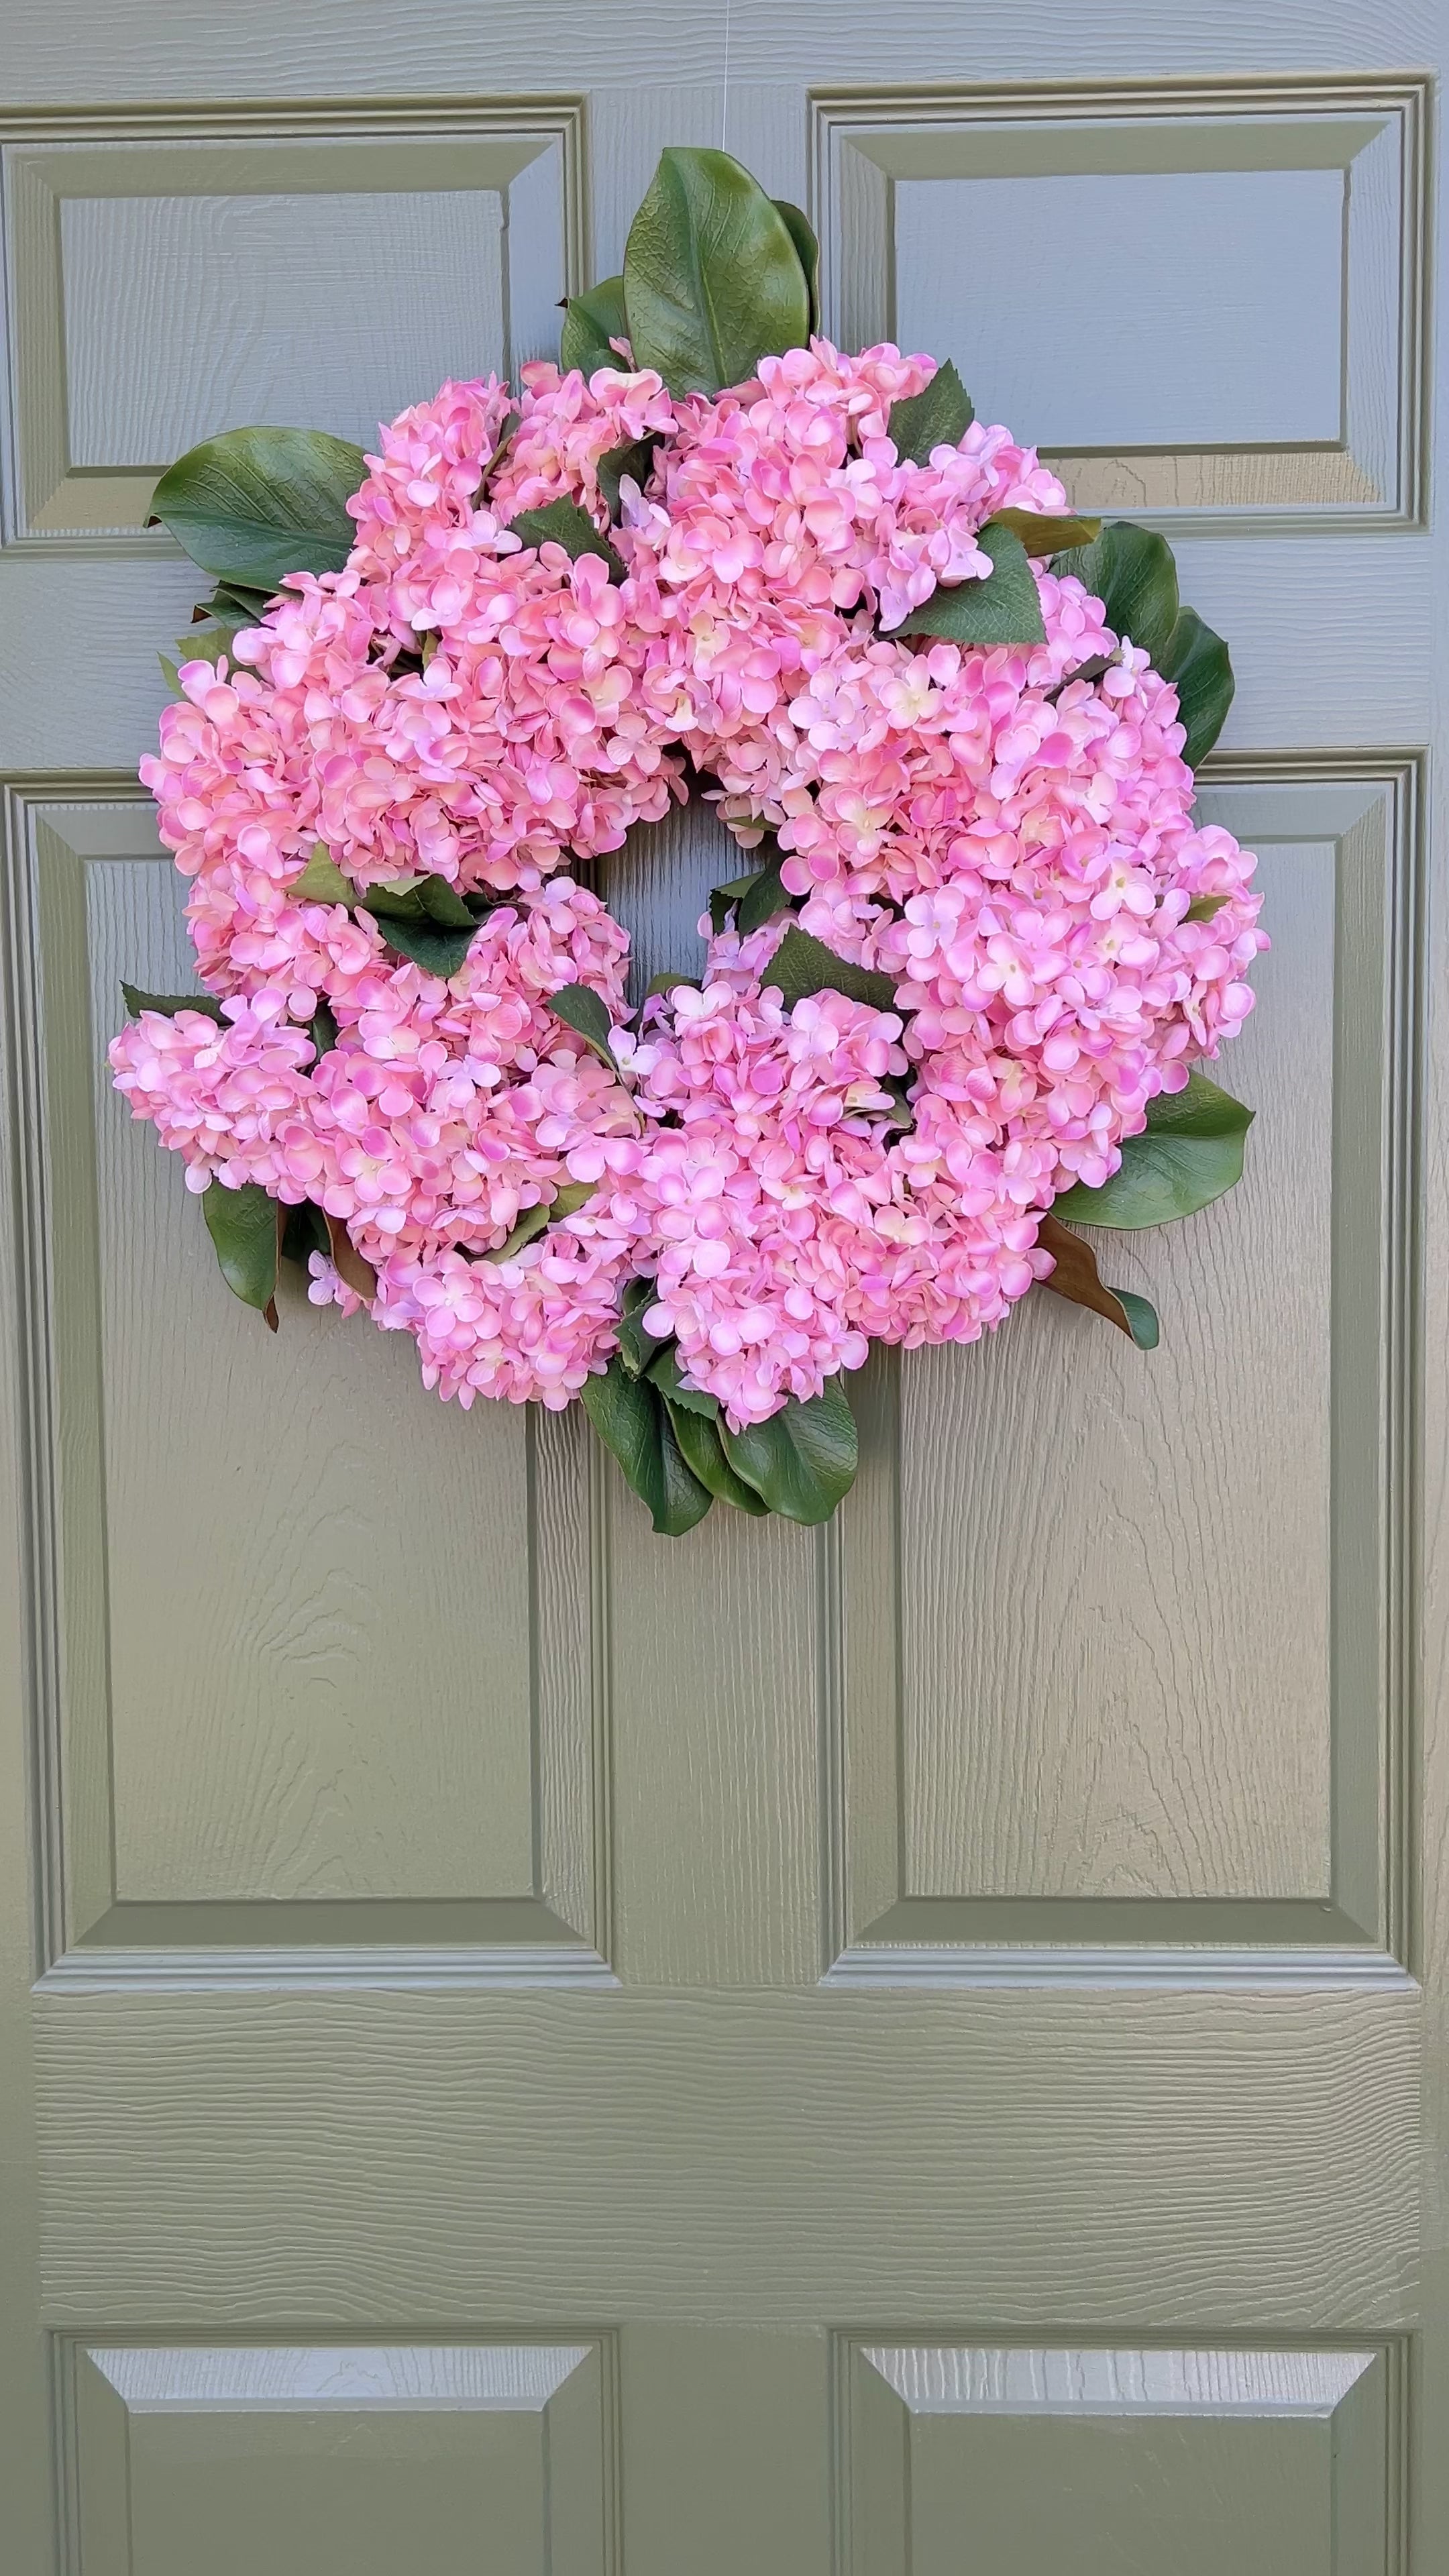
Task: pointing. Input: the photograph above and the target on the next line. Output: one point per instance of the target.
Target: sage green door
(917, 2049)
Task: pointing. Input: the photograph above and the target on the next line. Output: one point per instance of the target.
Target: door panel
(915, 2046)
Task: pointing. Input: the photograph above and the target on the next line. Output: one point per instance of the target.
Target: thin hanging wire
(724, 103)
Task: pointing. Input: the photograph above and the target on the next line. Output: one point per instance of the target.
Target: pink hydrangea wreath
(559, 613)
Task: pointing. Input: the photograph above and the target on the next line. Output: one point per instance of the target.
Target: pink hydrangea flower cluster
(1013, 846)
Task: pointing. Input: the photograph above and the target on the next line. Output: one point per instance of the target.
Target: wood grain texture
(281, 51)
(1254, 360)
(1248, 2162)
(327, 312)
(325, 1720)
(1116, 1675)
(1279, 2487)
(366, 2461)
(728, 2173)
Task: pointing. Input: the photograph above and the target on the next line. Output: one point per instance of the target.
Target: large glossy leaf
(168, 1004)
(582, 1010)
(304, 1231)
(803, 964)
(702, 1449)
(563, 523)
(1189, 1153)
(807, 251)
(1132, 572)
(754, 899)
(637, 1349)
(245, 1227)
(439, 951)
(1197, 663)
(233, 604)
(632, 1419)
(257, 503)
(939, 416)
(803, 1459)
(1002, 608)
(1076, 1277)
(712, 278)
(592, 320)
(636, 459)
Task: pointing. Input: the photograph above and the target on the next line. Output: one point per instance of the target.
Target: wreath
(956, 1001)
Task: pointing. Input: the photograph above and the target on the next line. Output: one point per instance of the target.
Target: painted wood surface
(834, 2053)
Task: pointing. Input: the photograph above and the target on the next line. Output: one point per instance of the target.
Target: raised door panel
(294, 1707)
(329, 2460)
(1261, 355)
(1089, 1702)
(1022, 2462)
(316, 271)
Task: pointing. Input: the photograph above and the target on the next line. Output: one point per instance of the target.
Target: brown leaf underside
(348, 1262)
(1075, 1275)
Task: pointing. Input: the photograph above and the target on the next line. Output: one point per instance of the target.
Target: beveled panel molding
(1271, 295)
(319, 1688)
(1286, 2462)
(316, 267)
(1017, 1661)
(438, 2455)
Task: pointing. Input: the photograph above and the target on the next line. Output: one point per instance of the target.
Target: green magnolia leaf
(1196, 662)
(1004, 608)
(1189, 1153)
(1132, 572)
(233, 604)
(322, 881)
(669, 984)
(723, 898)
(1204, 907)
(712, 277)
(591, 321)
(1047, 533)
(703, 1452)
(636, 1347)
(257, 503)
(803, 1459)
(937, 417)
(244, 1226)
(581, 1009)
(304, 1231)
(168, 1004)
(1141, 1316)
(632, 1419)
(171, 676)
(322, 1029)
(664, 1372)
(802, 965)
(563, 523)
(427, 943)
(636, 459)
(1076, 1278)
(571, 1196)
(763, 897)
(443, 904)
(807, 251)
